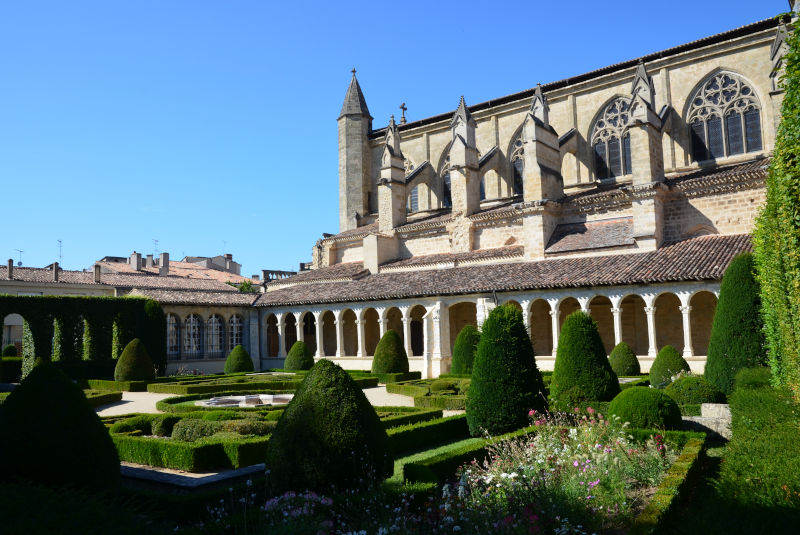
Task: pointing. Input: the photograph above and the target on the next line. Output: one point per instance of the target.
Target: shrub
(623, 361)
(693, 390)
(141, 423)
(299, 357)
(464, 349)
(668, 363)
(190, 429)
(646, 408)
(506, 383)
(239, 361)
(443, 385)
(163, 424)
(752, 378)
(582, 371)
(10, 351)
(329, 436)
(250, 427)
(737, 338)
(50, 435)
(390, 355)
(10, 369)
(134, 364)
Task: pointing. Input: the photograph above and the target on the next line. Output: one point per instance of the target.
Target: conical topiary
(134, 364)
(390, 355)
(50, 435)
(329, 437)
(238, 361)
(464, 349)
(646, 408)
(667, 364)
(299, 357)
(623, 360)
(581, 371)
(506, 384)
(737, 336)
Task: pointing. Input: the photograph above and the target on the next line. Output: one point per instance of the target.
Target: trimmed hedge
(646, 407)
(623, 360)
(134, 364)
(9, 351)
(464, 349)
(668, 363)
(448, 403)
(407, 389)
(10, 369)
(174, 405)
(426, 435)
(238, 361)
(299, 357)
(693, 390)
(254, 385)
(124, 386)
(98, 398)
(412, 416)
(390, 355)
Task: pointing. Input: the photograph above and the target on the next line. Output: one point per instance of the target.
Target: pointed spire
(462, 113)
(354, 102)
(392, 139)
(539, 107)
(642, 85)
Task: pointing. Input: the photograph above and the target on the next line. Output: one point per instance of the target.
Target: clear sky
(211, 125)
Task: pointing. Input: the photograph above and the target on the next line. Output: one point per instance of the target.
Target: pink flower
(577, 410)
(575, 463)
(531, 413)
(590, 410)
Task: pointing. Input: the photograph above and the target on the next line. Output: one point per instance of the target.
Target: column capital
(358, 321)
(554, 313)
(649, 310)
(685, 309)
(616, 310)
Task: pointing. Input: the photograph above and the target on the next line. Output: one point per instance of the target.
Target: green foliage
(464, 349)
(668, 362)
(299, 357)
(10, 350)
(443, 385)
(646, 407)
(692, 390)
(329, 436)
(753, 378)
(623, 360)
(410, 415)
(581, 371)
(163, 424)
(134, 364)
(50, 435)
(390, 355)
(10, 369)
(737, 338)
(445, 402)
(506, 383)
(96, 398)
(141, 423)
(238, 361)
(190, 429)
(425, 435)
(776, 236)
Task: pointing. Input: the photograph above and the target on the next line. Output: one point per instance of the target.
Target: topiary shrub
(444, 385)
(390, 355)
(239, 360)
(464, 349)
(329, 436)
(623, 361)
(693, 390)
(249, 427)
(299, 357)
(646, 408)
(190, 430)
(506, 383)
(50, 435)
(668, 363)
(134, 364)
(737, 334)
(163, 424)
(581, 371)
(10, 351)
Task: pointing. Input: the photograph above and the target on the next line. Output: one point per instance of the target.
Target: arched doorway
(600, 310)
(634, 324)
(273, 336)
(417, 330)
(565, 308)
(541, 328)
(701, 317)
(349, 334)
(372, 331)
(461, 315)
(310, 331)
(290, 330)
(669, 321)
(328, 326)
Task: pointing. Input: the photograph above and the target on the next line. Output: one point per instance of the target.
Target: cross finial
(353, 71)
(403, 110)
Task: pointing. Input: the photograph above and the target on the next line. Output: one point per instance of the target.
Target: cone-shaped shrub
(646, 408)
(238, 361)
(390, 355)
(623, 360)
(134, 364)
(581, 371)
(668, 363)
(737, 337)
(299, 357)
(464, 350)
(50, 435)
(506, 384)
(693, 390)
(10, 350)
(328, 436)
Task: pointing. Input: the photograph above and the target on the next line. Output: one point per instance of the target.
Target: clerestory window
(611, 141)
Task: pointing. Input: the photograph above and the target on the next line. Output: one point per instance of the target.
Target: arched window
(483, 189)
(447, 198)
(413, 199)
(173, 336)
(192, 338)
(235, 331)
(724, 118)
(611, 141)
(215, 334)
(517, 166)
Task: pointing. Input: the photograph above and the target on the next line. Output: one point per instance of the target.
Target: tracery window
(447, 198)
(215, 333)
(235, 332)
(611, 141)
(517, 166)
(413, 199)
(173, 336)
(724, 118)
(192, 339)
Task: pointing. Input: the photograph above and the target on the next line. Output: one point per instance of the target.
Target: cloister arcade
(647, 318)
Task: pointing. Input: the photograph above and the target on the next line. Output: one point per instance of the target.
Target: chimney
(255, 277)
(97, 273)
(136, 261)
(265, 275)
(55, 271)
(149, 261)
(10, 268)
(228, 256)
(163, 264)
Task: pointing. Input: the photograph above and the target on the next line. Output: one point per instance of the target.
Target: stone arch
(290, 331)
(12, 324)
(394, 321)
(417, 328)
(600, 310)
(701, 318)
(541, 328)
(349, 333)
(328, 325)
(513, 303)
(461, 315)
(273, 336)
(634, 323)
(372, 331)
(567, 306)
(309, 323)
(669, 321)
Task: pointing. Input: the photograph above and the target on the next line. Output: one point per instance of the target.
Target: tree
(464, 349)
(623, 360)
(390, 355)
(134, 364)
(299, 357)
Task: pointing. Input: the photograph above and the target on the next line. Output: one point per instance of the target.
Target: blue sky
(211, 125)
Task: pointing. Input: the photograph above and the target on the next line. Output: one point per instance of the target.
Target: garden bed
(258, 382)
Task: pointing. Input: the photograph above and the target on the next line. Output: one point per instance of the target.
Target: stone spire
(463, 125)
(642, 86)
(392, 184)
(539, 108)
(354, 102)
(464, 179)
(355, 176)
(392, 139)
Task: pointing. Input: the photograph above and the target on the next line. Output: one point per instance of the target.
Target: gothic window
(215, 333)
(192, 339)
(611, 141)
(724, 118)
(447, 198)
(173, 336)
(517, 166)
(234, 332)
(413, 199)
(483, 189)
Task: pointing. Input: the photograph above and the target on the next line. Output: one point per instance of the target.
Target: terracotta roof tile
(28, 274)
(348, 270)
(591, 235)
(451, 258)
(178, 269)
(193, 297)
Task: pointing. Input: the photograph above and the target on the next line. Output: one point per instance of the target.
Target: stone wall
(728, 213)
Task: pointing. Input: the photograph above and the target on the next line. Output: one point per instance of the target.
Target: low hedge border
(412, 417)
(173, 404)
(643, 381)
(675, 484)
(280, 386)
(450, 403)
(425, 435)
(125, 386)
(388, 378)
(101, 397)
(405, 389)
(455, 376)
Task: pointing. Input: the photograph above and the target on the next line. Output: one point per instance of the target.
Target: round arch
(701, 318)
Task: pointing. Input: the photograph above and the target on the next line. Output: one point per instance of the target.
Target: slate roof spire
(463, 114)
(354, 102)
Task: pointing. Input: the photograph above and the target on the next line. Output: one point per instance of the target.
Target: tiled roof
(347, 270)
(179, 269)
(591, 235)
(457, 258)
(703, 258)
(748, 170)
(147, 280)
(28, 274)
(189, 297)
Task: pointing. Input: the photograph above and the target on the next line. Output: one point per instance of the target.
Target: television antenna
(155, 248)
(60, 256)
(20, 251)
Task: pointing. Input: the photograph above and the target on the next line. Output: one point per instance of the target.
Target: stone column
(688, 351)
(360, 353)
(652, 350)
(384, 324)
(407, 335)
(617, 312)
(298, 327)
(281, 336)
(584, 303)
(526, 316)
(426, 353)
(339, 337)
(318, 321)
(437, 332)
(554, 315)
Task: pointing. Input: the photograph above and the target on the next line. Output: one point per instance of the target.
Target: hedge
(97, 398)
(10, 369)
(388, 378)
(406, 389)
(464, 349)
(450, 403)
(390, 355)
(217, 387)
(426, 435)
(412, 416)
